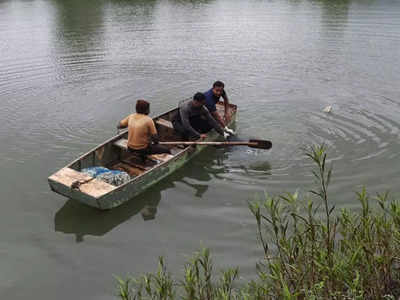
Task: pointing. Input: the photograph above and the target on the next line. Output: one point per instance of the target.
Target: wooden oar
(259, 144)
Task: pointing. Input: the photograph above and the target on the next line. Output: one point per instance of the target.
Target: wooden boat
(112, 154)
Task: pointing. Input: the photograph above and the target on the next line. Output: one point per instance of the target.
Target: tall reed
(344, 255)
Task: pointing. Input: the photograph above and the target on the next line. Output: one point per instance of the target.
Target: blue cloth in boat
(113, 177)
(95, 171)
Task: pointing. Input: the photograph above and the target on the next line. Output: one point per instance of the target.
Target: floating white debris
(328, 109)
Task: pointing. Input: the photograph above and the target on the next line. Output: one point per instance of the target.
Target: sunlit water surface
(69, 70)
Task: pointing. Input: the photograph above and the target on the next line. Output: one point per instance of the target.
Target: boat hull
(124, 194)
(114, 196)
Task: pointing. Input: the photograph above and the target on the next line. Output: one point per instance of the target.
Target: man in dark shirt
(212, 97)
(194, 120)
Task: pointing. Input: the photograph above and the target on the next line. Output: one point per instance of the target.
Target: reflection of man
(149, 212)
(212, 97)
(152, 199)
(194, 120)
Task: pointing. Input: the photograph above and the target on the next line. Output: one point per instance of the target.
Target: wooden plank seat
(165, 123)
(161, 157)
(121, 143)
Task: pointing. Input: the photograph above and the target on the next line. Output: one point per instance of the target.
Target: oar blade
(260, 144)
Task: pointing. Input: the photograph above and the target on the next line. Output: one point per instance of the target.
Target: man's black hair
(199, 97)
(142, 107)
(218, 84)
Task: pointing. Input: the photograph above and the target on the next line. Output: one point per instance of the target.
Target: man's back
(140, 129)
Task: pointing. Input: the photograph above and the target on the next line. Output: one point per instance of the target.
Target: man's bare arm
(219, 119)
(123, 123)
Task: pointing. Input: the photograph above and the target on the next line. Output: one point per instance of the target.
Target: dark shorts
(151, 149)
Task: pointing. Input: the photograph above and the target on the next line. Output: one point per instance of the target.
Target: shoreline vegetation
(311, 251)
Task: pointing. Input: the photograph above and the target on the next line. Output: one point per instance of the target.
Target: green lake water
(70, 70)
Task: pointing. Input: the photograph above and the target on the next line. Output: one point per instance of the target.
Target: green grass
(311, 251)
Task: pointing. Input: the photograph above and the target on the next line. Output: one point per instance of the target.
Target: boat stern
(79, 186)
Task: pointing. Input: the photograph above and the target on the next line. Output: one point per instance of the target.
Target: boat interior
(134, 164)
(113, 155)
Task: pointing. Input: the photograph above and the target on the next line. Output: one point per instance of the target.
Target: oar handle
(258, 144)
(209, 143)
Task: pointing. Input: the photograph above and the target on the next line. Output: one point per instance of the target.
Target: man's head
(199, 99)
(218, 88)
(142, 107)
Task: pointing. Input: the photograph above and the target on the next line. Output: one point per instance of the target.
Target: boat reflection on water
(79, 219)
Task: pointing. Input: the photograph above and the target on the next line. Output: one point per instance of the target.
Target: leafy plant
(311, 251)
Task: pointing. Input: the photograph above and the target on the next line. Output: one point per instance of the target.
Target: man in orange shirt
(142, 131)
